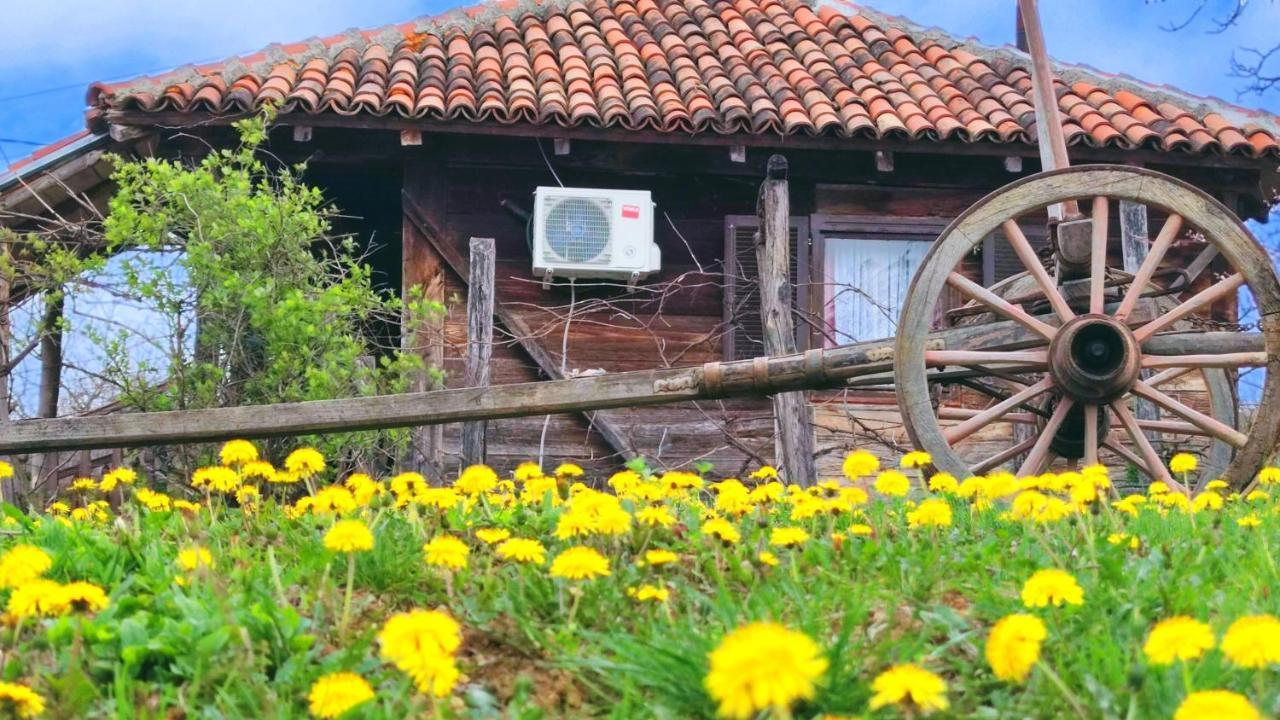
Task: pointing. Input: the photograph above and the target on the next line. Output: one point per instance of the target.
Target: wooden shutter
(999, 261)
(744, 335)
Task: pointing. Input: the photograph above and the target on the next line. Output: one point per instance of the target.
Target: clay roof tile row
(686, 66)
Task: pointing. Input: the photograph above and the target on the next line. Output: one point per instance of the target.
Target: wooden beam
(815, 369)
(794, 446)
(422, 285)
(434, 234)
(479, 340)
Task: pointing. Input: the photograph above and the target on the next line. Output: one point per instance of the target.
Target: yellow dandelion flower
(1013, 647)
(117, 477)
(788, 536)
(476, 480)
(526, 471)
(259, 470)
(915, 459)
(656, 516)
(860, 464)
(933, 512)
(186, 506)
(336, 693)
(305, 462)
(152, 500)
(1257, 496)
(1249, 521)
(421, 644)
(1253, 641)
(216, 479)
(763, 666)
(492, 536)
(568, 470)
(767, 558)
(766, 472)
(649, 593)
(348, 536)
(579, 563)
(22, 564)
(909, 685)
(1216, 705)
(1177, 638)
(1206, 501)
(20, 701)
(660, 557)
(861, 530)
(1183, 463)
(195, 557)
(892, 483)
(237, 452)
(446, 551)
(522, 550)
(943, 482)
(1269, 475)
(1051, 587)
(33, 598)
(722, 529)
(6, 470)
(79, 597)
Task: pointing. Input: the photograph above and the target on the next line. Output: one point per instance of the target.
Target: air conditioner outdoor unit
(591, 233)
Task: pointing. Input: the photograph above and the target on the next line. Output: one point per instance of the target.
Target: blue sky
(50, 51)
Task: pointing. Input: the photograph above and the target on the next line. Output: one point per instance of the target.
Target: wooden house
(438, 130)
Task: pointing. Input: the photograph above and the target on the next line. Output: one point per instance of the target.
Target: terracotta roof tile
(708, 66)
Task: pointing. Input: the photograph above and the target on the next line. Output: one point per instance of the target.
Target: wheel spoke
(1165, 376)
(1040, 451)
(1027, 255)
(1004, 456)
(942, 358)
(1147, 269)
(959, 432)
(1221, 360)
(1205, 297)
(974, 291)
(1090, 434)
(1098, 256)
(1213, 426)
(1150, 457)
(1113, 444)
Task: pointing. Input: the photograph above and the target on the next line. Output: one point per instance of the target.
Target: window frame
(856, 227)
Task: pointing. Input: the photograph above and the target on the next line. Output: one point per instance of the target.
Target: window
(865, 282)
(744, 333)
(866, 265)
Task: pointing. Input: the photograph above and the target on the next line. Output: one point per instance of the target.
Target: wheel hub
(1094, 359)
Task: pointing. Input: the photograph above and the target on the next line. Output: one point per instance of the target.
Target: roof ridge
(1071, 73)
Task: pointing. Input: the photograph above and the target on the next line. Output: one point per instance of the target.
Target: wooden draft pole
(1073, 232)
(794, 446)
(479, 341)
(865, 363)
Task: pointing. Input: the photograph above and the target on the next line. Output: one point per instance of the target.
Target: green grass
(249, 638)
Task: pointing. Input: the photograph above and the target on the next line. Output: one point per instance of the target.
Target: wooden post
(8, 489)
(794, 448)
(479, 340)
(1133, 250)
(44, 468)
(424, 272)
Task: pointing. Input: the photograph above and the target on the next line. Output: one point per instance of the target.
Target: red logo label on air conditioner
(631, 212)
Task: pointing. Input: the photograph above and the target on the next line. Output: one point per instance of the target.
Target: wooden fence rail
(815, 369)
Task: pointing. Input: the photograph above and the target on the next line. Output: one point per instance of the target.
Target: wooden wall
(674, 318)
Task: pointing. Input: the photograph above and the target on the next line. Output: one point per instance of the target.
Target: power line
(46, 91)
(16, 141)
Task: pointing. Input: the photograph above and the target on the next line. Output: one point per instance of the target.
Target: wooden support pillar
(423, 282)
(8, 488)
(480, 292)
(1133, 250)
(44, 468)
(794, 447)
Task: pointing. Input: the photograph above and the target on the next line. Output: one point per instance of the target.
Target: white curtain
(866, 284)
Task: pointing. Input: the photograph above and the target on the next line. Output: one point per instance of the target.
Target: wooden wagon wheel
(1083, 345)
